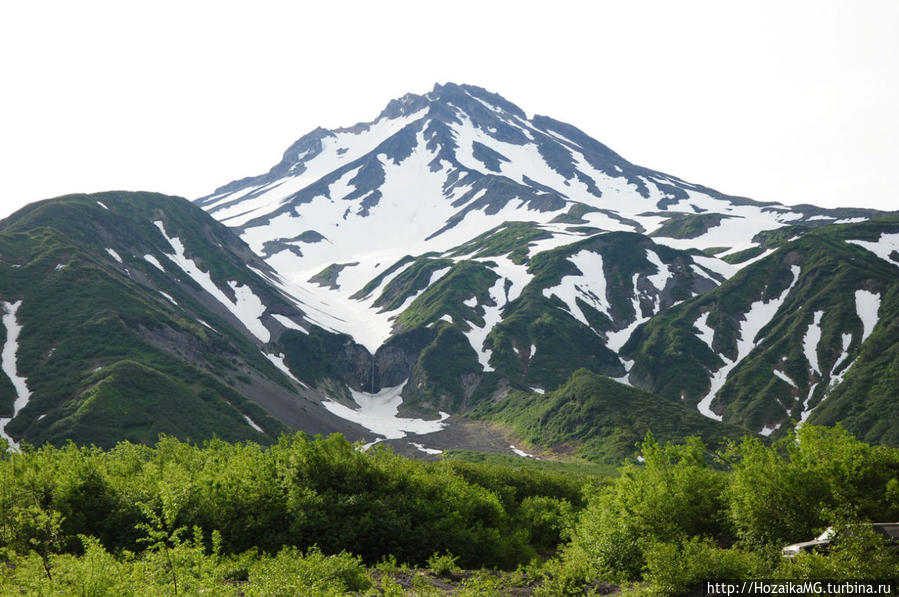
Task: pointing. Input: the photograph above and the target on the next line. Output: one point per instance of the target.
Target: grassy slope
(601, 419)
(88, 326)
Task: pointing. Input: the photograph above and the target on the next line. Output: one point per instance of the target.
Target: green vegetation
(689, 225)
(320, 517)
(599, 419)
(575, 214)
(370, 287)
(106, 354)
(744, 255)
(410, 281)
(328, 276)
(178, 514)
(441, 370)
(509, 238)
(446, 296)
(677, 521)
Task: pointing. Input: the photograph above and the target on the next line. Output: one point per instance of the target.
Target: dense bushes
(300, 492)
(311, 514)
(682, 518)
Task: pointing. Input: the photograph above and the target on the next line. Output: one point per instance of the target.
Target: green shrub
(675, 495)
(673, 569)
(443, 564)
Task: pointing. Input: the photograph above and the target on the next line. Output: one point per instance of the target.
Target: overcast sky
(790, 101)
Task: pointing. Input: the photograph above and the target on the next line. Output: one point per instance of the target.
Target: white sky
(791, 101)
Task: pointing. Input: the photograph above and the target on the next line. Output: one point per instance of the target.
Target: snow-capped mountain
(515, 248)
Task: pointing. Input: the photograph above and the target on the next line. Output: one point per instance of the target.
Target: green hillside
(777, 380)
(114, 348)
(600, 419)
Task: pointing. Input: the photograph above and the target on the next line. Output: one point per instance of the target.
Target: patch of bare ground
(466, 434)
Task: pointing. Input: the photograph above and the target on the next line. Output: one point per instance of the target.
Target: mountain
(126, 315)
(476, 251)
(454, 269)
(808, 333)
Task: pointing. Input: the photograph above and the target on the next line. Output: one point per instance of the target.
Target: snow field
(378, 414)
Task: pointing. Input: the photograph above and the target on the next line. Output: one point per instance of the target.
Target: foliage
(675, 568)
(858, 553)
(443, 564)
(786, 491)
(305, 516)
(675, 494)
(300, 492)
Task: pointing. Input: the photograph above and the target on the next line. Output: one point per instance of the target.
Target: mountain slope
(602, 420)
(472, 249)
(435, 171)
(779, 338)
(131, 314)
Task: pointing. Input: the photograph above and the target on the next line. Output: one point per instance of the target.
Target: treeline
(317, 516)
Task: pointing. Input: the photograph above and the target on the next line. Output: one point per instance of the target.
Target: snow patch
(9, 356)
(492, 316)
(169, 297)
(867, 304)
(378, 413)
(766, 431)
(421, 448)
(615, 340)
(289, 323)
(663, 272)
(759, 315)
(785, 377)
(278, 361)
(253, 424)
(521, 453)
(847, 340)
(810, 342)
(114, 255)
(154, 262)
(246, 307)
(806, 411)
(589, 286)
(885, 246)
(103, 205)
(706, 334)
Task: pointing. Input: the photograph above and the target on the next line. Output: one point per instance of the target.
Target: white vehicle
(890, 530)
